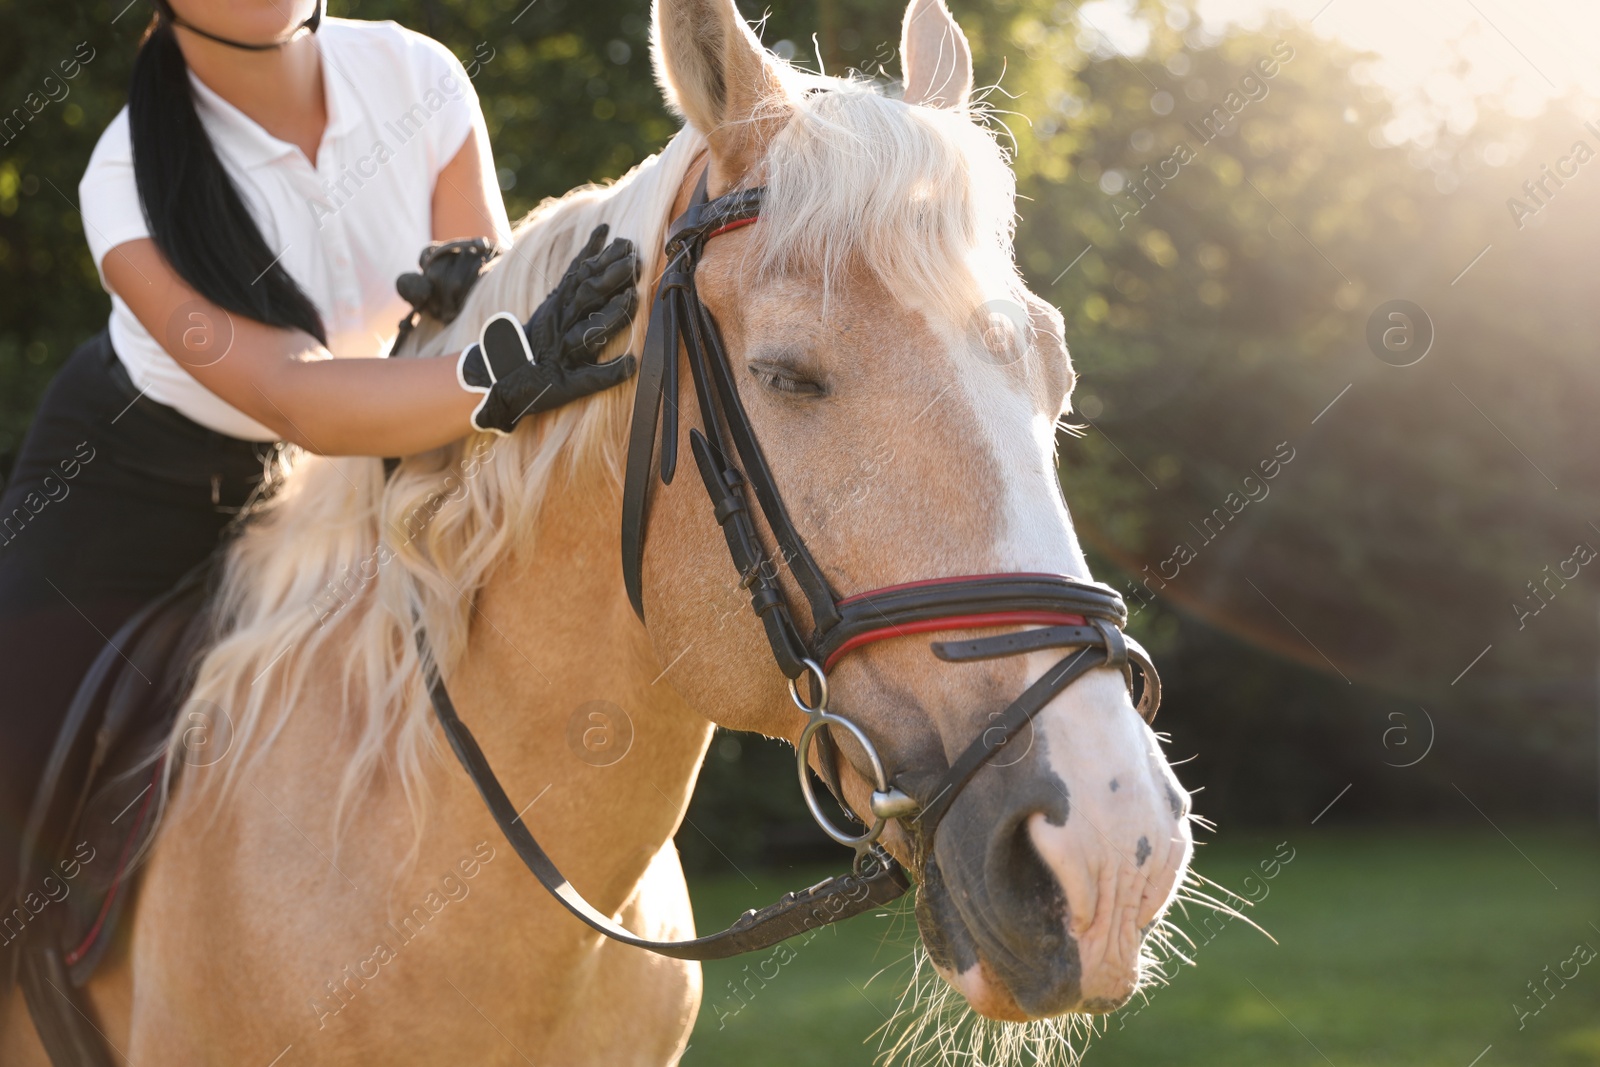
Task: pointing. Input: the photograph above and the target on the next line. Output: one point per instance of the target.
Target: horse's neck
(559, 682)
(552, 632)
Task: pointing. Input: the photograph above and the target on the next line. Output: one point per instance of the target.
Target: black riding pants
(113, 499)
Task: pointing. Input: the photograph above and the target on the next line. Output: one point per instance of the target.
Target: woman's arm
(285, 379)
(290, 383)
(466, 198)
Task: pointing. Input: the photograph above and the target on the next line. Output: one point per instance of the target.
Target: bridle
(1069, 613)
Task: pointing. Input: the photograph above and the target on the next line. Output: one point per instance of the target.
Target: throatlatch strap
(829, 901)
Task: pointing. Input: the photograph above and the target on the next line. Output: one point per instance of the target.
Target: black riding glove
(550, 361)
(446, 272)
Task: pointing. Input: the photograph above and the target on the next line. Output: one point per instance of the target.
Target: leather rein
(1069, 613)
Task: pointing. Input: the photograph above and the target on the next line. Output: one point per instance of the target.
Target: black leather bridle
(1070, 613)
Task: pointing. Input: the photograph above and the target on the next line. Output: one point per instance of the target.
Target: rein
(1073, 614)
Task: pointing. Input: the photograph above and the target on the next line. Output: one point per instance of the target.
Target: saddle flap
(95, 808)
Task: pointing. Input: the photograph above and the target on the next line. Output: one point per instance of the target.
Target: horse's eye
(786, 380)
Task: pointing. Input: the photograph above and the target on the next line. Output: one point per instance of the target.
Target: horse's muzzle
(1029, 903)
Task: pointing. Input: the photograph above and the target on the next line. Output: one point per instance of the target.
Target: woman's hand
(381, 407)
(550, 361)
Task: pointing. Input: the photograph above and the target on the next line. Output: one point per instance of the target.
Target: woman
(249, 211)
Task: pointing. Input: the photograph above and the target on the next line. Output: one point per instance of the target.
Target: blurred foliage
(1216, 317)
(1211, 327)
(50, 297)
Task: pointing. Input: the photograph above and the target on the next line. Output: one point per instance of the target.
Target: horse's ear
(935, 55)
(715, 73)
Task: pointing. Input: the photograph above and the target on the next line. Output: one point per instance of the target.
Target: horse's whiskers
(1196, 878)
(933, 1024)
(1166, 929)
(1188, 894)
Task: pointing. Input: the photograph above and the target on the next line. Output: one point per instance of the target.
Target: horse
(328, 887)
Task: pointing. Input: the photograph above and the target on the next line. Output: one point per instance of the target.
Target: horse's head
(905, 388)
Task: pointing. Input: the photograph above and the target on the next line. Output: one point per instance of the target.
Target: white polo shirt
(400, 106)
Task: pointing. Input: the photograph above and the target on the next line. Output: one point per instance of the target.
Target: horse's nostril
(1020, 916)
(1023, 886)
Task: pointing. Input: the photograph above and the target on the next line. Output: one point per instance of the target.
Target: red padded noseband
(955, 622)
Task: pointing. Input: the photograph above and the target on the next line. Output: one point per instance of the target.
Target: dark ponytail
(196, 216)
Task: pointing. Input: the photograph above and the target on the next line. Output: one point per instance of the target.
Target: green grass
(1394, 948)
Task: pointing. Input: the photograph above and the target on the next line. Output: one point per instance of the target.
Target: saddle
(95, 811)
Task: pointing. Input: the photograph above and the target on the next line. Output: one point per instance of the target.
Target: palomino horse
(333, 890)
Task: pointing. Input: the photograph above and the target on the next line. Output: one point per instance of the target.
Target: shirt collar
(249, 143)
